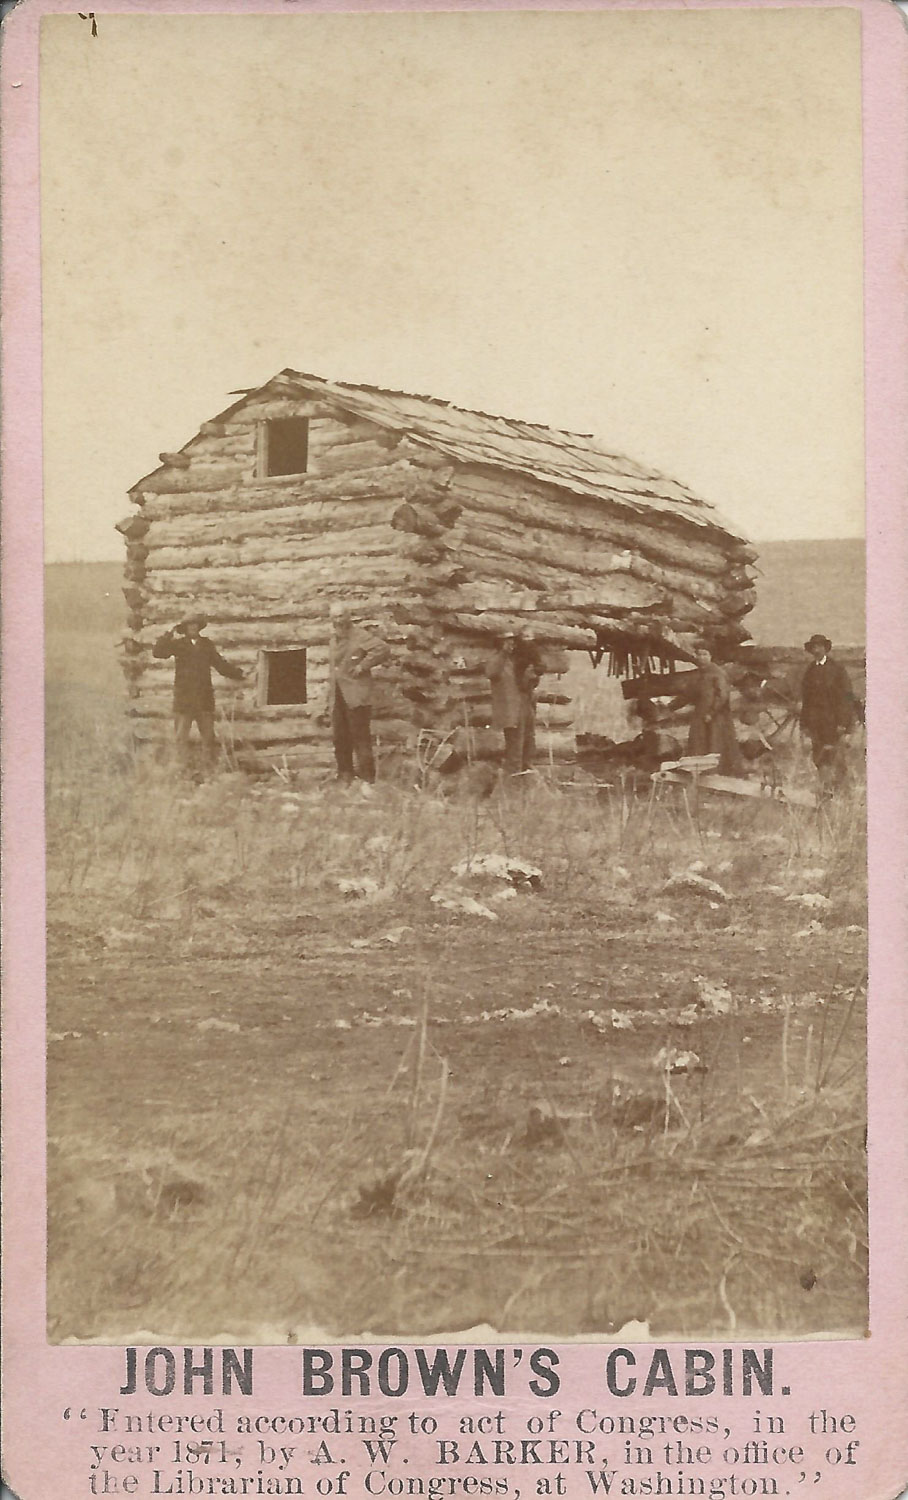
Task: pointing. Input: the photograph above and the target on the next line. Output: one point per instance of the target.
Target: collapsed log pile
(442, 528)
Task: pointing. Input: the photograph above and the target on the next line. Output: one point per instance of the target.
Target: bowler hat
(818, 640)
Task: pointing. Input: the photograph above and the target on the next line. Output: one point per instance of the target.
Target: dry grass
(290, 1119)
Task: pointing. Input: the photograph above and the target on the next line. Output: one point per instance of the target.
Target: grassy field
(303, 1076)
(807, 586)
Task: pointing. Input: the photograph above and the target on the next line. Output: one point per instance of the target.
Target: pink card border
(868, 1377)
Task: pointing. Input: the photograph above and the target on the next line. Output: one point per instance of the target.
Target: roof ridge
(442, 401)
(576, 462)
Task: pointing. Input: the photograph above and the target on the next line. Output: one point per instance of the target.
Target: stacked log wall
(652, 577)
(440, 557)
(578, 572)
(264, 559)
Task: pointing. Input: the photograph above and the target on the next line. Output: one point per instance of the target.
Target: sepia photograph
(454, 516)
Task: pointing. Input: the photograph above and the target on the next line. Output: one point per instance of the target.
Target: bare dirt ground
(289, 1091)
(254, 1112)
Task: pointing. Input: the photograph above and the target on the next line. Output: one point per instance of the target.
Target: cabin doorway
(599, 707)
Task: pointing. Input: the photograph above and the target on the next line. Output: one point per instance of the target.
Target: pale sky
(645, 225)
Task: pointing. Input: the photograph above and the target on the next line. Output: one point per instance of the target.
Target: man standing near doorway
(193, 694)
(352, 657)
(514, 672)
(828, 708)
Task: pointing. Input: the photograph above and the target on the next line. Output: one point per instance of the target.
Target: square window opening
(283, 677)
(285, 446)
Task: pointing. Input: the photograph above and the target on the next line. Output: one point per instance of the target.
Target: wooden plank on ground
(739, 786)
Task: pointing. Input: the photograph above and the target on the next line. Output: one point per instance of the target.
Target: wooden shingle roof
(573, 461)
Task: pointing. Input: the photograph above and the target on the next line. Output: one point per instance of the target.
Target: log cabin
(441, 528)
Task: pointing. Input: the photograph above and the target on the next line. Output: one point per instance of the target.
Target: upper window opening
(285, 446)
(283, 678)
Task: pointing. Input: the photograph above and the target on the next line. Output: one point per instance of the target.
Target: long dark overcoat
(827, 701)
(712, 728)
(193, 661)
(513, 678)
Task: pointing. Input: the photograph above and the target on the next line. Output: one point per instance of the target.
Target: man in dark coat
(193, 695)
(352, 657)
(514, 672)
(827, 707)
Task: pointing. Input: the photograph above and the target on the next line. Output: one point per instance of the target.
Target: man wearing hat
(514, 672)
(352, 656)
(193, 695)
(827, 707)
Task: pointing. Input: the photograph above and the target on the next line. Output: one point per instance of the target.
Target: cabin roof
(572, 461)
